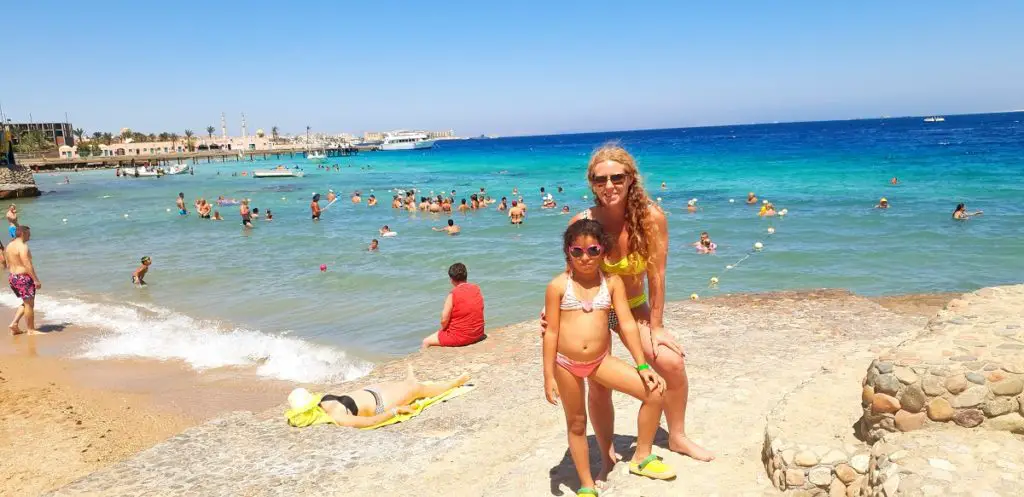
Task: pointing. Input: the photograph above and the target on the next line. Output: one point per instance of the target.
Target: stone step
(810, 445)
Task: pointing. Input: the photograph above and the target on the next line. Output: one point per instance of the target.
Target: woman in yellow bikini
(639, 251)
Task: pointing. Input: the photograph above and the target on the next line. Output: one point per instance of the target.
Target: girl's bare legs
(602, 415)
(615, 374)
(570, 390)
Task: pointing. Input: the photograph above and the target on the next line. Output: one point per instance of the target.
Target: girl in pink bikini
(577, 345)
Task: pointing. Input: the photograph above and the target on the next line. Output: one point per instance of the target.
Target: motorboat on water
(934, 119)
(278, 172)
(318, 155)
(153, 171)
(406, 140)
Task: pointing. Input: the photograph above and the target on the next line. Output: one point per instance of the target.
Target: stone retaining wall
(816, 471)
(17, 181)
(965, 370)
(901, 396)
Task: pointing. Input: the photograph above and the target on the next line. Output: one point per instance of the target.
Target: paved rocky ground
(745, 354)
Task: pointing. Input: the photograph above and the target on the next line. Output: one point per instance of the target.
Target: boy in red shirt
(462, 320)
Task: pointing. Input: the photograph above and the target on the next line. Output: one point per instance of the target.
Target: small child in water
(577, 343)
(270, 215)
(138, 277)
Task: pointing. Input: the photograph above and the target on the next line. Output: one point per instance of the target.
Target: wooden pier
(197, 157)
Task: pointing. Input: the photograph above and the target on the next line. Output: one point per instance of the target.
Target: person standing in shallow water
(639, 253)
(23, 280)
(314, 206)
(12, 220)
(180, 202)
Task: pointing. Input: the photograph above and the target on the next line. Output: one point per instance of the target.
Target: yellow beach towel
(419, 405)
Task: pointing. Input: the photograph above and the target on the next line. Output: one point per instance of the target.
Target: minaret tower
(245, 134)
(223, 127)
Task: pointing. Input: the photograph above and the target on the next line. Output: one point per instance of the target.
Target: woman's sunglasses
(593, 251)
(617, 179)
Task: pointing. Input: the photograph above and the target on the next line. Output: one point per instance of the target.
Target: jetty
(200, 156)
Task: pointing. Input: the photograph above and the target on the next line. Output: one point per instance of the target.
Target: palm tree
(79, 133)
(188, 139)
(174, 141)
(108, 138)
(97, 135)
(165, 136)
(210, 130)
(151, 137)
(126, 134)
(274, 133)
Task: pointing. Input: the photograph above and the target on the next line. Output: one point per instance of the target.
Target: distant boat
(279, 172)
(934, 119)
(405, 140)
(318, 155)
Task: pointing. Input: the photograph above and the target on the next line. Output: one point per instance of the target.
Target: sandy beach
(65, 418)
(62, 418)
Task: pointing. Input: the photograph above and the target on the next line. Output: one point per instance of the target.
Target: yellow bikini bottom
(638, 301)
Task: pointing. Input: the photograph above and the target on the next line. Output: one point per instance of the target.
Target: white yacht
(934, 119)
(406, 140)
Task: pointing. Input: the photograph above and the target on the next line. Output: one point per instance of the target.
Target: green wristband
(641, 367)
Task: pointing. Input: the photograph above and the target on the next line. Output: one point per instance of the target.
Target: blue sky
(525, 67)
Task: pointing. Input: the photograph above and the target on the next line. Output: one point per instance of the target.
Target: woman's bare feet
(685, 446)
(607, 464)
(15, 330)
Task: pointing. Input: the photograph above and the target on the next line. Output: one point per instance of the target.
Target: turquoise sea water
(220, 295)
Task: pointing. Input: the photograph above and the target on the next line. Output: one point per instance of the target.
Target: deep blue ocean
(220, 295)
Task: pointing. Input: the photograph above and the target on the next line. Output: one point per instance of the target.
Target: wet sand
(62, 418)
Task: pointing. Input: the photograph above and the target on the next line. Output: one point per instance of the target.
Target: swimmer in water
(139, 276)
(356, 198)
(882, 204)
(503, 205)
(372, 201)
(314, 207)
(384, 230)
(180, 203)
(691, 206)
(256, 213)
(549, 203)
(270, 215)
(396, 203)
(565, 209)
(516, 213)
(751, 198)
(216, 216)
(451, 229)
(204, 209)
(705, 245)
(463, 207)
(664, 186)
(894, 181)
(331, 197)
(960, 213)
(373, 245)
(243, 210)
(768, 210)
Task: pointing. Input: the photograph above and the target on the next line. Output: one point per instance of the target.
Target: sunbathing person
(375, 403)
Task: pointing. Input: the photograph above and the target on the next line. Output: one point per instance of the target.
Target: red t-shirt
(466, 323)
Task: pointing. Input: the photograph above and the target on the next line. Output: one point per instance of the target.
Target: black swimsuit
(345, 400)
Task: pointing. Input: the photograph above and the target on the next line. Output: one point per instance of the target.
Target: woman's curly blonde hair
(639, 224)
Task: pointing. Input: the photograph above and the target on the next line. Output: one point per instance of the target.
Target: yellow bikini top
(631, 265)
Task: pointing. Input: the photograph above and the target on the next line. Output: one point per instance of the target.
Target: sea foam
(153, 332)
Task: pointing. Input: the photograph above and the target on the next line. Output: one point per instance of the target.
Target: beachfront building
(58, 133)
(440, 135)
(199, 144)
